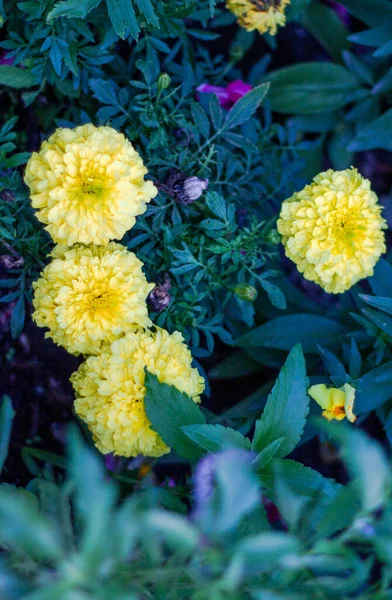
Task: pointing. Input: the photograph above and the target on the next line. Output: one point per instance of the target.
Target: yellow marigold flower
(110, 389)
(88, 185)
(263, 15)
(88, 295)
(337, 403)
(332, 230)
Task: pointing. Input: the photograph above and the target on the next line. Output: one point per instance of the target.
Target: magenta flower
(227, 96)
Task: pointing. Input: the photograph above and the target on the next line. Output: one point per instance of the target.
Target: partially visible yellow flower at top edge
(333, 230)
(265, 16)
(87, 185)
(337, 403)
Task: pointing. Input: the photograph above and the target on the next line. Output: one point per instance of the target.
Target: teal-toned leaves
(76, 9)
(244, 108)
(287, 407)
(324, 23)
(366, 462)
(282, 333)
(169, 410)
(7, 414)
(311, 88)
(215, 438)
(375, 135)
(15, 77)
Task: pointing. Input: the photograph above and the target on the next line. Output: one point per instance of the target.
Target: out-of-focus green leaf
(7, 414)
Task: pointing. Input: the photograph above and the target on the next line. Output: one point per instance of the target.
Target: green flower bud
(273, 236)
(164, 80)
(246, 292)
(237, 53)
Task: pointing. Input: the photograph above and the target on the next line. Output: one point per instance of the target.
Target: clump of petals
(89, 295)
(333, 230)
(110, 389)
(87, 185)
(264, 16)
(337, 403)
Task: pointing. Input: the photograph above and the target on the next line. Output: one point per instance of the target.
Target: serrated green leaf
(129, 17)
(287, 407)
(147, 10)
(169, 410)
(18, 317)
(75, 9)
(375, 135)
(215, 438)
(245, 107)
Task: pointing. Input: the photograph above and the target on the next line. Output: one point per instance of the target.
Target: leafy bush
(254, 500)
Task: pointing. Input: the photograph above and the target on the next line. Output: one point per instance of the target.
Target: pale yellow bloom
(333, 230)
(265, 16)
(110, 389)
(337, 403)
(88, 295)
(88, 185)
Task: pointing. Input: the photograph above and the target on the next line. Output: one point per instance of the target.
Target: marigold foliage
(337, 403)
(265, 16)
(90, 295)
(88, 185)
(110, 389)
(332, 230)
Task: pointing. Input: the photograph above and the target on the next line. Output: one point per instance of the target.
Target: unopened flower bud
(11, 262)
(273, 237)
(237, 53)
(244, 291)
(192, 189)
(164, 80)
(159, 298)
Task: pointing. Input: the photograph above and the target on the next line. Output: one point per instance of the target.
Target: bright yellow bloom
(88, 295)
(337, 403)
(332, 230)
(88, 185)
(263, 15)
(110, 389)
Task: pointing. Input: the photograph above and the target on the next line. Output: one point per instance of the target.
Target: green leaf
(366, 462)
(169, 410)
(287, 407)
(129, 17)
(302, 480)
(375, 13)
(246, 107)
(377, 302)
(260, 553)
(116, 17)
(374, 135)
(374, 389)
(147, 10)
(282, 333)
(215, 438)
(323, 22)
(18, 318)
(310, 88)
(76, 9)
(15, 77)
(267, 454)
(7, 414)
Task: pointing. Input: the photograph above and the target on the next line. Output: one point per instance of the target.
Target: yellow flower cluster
(89, 295)
(333, 230)
(88, 186)
(264, 16)
(337, 403)
(110, 389)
